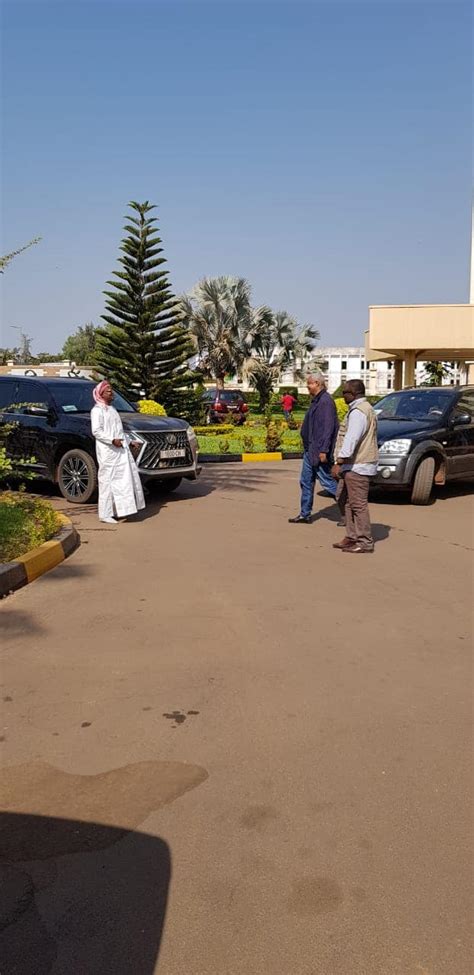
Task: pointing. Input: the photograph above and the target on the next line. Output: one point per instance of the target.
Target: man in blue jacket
(318, 433)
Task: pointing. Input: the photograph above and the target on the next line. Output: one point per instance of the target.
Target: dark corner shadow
(80, 897)
(15, 623)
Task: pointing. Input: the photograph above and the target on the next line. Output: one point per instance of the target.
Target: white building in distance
(340, 363)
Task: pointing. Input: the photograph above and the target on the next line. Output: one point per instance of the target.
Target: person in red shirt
(287, 401)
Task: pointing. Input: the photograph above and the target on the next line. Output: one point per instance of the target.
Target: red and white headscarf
(98, 391)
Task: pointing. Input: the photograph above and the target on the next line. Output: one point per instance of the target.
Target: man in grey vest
(356, 455)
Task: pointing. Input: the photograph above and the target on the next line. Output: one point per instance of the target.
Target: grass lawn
(25, 522)
(249, 438)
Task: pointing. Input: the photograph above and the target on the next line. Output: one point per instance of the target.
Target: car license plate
(171, 454)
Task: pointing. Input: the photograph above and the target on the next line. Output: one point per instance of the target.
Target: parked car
(219, 403)
(52, 425)
(426, 437)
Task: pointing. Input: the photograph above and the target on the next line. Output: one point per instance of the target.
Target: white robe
(120, 488)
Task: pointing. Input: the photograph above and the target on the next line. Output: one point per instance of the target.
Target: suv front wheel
(423, 481)
(77, 476)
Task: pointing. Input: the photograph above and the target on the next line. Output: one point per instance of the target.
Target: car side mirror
(461, 420)
(39, 409)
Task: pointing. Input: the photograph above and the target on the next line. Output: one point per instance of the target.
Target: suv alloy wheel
(77, 476)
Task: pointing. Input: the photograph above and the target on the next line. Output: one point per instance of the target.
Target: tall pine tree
(142, 347)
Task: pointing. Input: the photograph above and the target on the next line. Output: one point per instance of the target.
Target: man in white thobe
(120, 488)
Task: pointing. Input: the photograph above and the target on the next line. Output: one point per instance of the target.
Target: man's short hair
(318, 376)
(355, 386)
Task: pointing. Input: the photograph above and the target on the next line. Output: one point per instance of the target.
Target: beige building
(408, 334)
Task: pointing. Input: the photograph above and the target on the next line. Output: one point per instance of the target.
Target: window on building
(344, 364)
(389, 383)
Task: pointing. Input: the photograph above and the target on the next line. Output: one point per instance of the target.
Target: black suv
(426, 437)
(52, 425)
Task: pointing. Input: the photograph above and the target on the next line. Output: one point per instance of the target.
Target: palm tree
(276, 343)
(435, 372)
(219, 317)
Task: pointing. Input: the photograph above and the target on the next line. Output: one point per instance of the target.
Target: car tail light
(219, 407)
(245, 407)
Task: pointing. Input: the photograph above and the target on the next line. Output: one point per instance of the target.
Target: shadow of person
(332, 513)
(380, 532)
(80, 897)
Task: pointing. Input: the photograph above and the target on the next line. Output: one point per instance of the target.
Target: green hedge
(217, 430)
(24, 523)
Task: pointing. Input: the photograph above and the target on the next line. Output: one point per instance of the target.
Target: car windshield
(74, 397)
(413, 405)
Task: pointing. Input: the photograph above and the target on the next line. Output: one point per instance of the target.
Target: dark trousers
(353, 497)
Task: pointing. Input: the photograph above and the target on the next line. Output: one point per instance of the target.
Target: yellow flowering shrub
(342, 408)
(214, 430)
(151, 408)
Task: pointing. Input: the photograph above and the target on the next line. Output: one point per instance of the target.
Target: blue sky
(321, 150)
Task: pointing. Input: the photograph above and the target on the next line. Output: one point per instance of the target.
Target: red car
(219, 403)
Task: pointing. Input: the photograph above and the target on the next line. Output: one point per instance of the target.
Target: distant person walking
(356, 454)
(288, 403)
(318, 433)
(120, 488)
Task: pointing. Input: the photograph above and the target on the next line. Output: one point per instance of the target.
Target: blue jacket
(319, 427)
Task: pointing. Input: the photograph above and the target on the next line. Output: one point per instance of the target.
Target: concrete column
(398, 374)
(410, 363)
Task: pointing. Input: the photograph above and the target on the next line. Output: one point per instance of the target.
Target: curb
(15, 575)
(247, 458)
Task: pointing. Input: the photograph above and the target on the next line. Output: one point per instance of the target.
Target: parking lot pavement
(305, 718)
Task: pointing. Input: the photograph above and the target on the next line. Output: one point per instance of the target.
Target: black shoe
(300, 520)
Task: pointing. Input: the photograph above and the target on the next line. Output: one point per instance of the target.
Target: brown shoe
(345, 543)
(357, 549)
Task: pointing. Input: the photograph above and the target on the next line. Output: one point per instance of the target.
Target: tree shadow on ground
(15, 623)
(214, 479)
(236, 477)
(80, 897)
(230, 476)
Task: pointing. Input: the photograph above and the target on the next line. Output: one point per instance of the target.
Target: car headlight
(191, 435)
(400, 447)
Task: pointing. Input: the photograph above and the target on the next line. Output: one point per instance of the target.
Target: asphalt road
(229, 749)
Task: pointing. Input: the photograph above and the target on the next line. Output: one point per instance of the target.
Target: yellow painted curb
(42, 559)
(252, 458)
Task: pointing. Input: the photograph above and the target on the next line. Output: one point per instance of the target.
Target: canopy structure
(408, 333)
